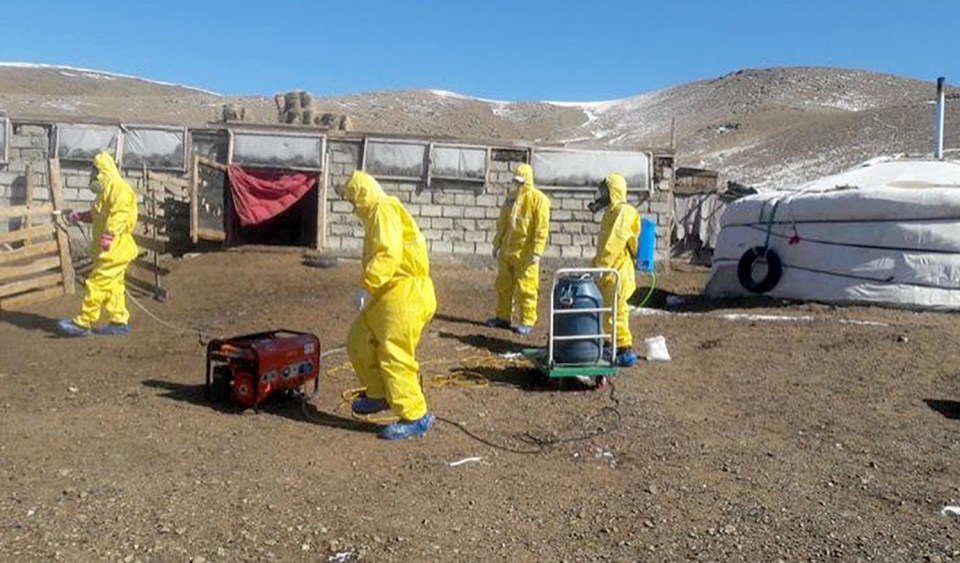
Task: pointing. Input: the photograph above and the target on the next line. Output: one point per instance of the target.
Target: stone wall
(455, 217)
(461, 218)
(30, 146)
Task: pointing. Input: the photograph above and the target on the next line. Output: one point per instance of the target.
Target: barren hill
(770, 127)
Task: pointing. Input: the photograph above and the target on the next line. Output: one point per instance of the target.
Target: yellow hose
(466, 374)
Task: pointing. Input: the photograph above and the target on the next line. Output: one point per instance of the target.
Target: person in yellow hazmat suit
(617, 249)
(396, 302)
(114, 216)
(522, 232)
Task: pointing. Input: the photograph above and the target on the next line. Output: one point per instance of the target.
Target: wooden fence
(35, 260)
(163, 212)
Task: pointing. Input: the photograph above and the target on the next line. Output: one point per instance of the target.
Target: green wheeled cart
(557, 373)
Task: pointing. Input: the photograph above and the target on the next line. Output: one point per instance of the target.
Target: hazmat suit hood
(611, 191)
(525, 171)
(617, 185)
(363, 191)
(107, 171)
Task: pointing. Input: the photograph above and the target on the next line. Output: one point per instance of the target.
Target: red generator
(250, 369)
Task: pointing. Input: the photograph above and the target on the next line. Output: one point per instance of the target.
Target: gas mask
(602, 200)
(341, 191)
(96, 187)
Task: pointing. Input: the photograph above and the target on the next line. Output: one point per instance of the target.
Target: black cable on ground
(543, 445)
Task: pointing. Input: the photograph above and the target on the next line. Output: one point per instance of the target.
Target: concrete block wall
(30, 145)
(455, 217)
(461, 218)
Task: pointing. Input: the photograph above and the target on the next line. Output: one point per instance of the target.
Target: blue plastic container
(646, 245)
(577, 293)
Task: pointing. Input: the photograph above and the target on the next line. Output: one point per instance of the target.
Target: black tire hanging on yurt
(753, 257)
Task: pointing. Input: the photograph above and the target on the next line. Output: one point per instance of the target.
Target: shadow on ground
(31, 321)
(699, 303)
(294, 408)
(491, 344)
(949, 409)
(459, 320)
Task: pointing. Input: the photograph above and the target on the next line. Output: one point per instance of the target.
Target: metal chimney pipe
(938, 132)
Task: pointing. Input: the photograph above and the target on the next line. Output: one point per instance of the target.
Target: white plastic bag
(657, 349)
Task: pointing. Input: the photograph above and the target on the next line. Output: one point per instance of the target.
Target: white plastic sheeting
(83, 142)
(458, 163)
(266, 150)
(569, 168)
(158, 148)
(394, 159)
(887, 232)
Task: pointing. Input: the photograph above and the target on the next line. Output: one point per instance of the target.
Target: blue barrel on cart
(577, 293)
(646, 245)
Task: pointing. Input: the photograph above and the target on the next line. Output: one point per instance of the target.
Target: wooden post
(322, 204)
(28, 202)
(669, 236)
(63, 241)
(194, 203)
(152, 212)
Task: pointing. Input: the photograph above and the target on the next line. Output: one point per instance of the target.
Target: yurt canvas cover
(886, 232)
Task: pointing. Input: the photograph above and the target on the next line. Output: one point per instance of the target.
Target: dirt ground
(763, 439)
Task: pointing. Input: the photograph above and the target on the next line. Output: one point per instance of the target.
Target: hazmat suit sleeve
(541, 230)
(386, 232)
(121, 207)
(502, 223)
(622, 234)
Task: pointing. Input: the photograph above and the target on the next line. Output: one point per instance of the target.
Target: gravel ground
(794, 434)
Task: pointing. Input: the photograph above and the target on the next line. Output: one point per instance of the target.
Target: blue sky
(502, 49)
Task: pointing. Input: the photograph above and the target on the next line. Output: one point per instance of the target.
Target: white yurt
(886, 232)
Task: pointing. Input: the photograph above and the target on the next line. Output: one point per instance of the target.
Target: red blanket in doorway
(260, 195)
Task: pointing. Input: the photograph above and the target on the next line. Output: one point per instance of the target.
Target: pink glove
(106, 239)
(73, 216)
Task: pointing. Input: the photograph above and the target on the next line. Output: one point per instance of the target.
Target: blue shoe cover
(67, 327)
(404, 429)
(523, 330)
(496, 322)
(626, 358)
(366, 405)
(113, 329)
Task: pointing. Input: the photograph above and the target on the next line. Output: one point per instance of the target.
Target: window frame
(182, 130)
(7, 129)
(58, 130)
(250, 132)
(630, 188)
(486, 163)
(424, 177)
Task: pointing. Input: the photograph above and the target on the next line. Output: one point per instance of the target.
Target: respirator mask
(603, 198)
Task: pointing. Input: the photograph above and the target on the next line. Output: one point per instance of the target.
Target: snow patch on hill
(70, 71)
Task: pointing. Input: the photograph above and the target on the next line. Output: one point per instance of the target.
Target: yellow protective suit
(114, 211)
(383, 339)
(617, 249)
(522, 232)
